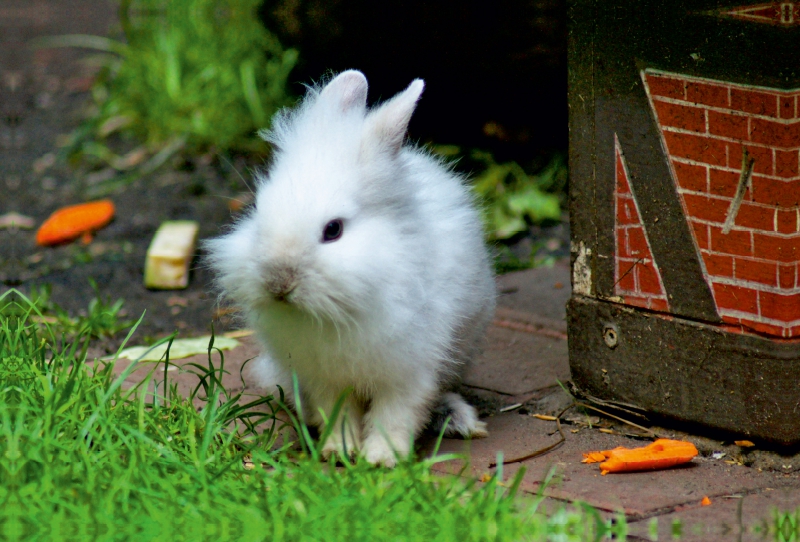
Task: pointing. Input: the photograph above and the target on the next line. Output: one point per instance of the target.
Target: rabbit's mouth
(282, 283)
(284, 295)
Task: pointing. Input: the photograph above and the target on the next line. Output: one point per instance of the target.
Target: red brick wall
(774, 13)
(637, 279)
(706, 125)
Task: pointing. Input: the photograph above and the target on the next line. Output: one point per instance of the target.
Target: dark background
(501, 63)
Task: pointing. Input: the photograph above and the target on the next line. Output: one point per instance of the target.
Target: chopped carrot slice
(69, 223)
(705, 502)
(661, 454)
(594, 457)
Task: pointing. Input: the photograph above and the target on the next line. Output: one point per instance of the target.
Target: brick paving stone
(723, 519)
(516, 363)
(522, 359)
(543, 291)
(526, 347)
(637, 494)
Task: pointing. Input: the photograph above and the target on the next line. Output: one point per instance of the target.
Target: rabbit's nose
(281, 283)
(283, 294)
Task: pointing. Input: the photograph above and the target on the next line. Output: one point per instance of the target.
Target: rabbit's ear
(349, 89)
(389, 122)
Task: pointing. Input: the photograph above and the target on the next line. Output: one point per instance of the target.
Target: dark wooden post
(685, 210)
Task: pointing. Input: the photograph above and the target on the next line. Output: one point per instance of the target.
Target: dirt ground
(44, 92)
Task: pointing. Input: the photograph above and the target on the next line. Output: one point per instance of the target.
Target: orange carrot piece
(661, 454)
(69, 223)
(594, 457)
(705, 502)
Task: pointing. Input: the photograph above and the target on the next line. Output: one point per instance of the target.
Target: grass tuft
(189, 76)
(83, 455)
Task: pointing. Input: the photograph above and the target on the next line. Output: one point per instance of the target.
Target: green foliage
(191, 75)
(82, 457)
(101, 319)
(511, 199)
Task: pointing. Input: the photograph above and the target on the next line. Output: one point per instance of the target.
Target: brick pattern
(753, 270)
(637, 279)
(784, 14)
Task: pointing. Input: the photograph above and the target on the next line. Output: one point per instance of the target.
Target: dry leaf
(16, 220)
(181, 348)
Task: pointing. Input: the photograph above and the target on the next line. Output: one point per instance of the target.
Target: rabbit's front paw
(379, 451)
(344, 445)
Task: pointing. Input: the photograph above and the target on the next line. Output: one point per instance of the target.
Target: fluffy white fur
(394, 308)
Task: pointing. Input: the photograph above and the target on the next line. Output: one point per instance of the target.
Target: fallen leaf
(181, 348)
(238, 334)
(744, 443)
(176, 300)
(581, 419)
(544, 417)
(113, 124)
(224, 311)
(43, 163)
(131, 160)
(16, 220)
(239, 202)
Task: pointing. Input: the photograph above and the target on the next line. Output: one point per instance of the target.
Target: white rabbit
(362, 265)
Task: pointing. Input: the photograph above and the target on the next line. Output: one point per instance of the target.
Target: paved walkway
(526, 358)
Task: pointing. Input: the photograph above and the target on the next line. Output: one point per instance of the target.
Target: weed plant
(84, 457)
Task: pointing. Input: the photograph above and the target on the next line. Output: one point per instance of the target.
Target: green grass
(190, 76)
(83, 458)
(102, 318)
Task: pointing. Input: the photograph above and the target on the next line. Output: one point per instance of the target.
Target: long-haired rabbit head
(330, 220)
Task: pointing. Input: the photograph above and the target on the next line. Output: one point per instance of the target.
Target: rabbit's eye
(333, 230)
